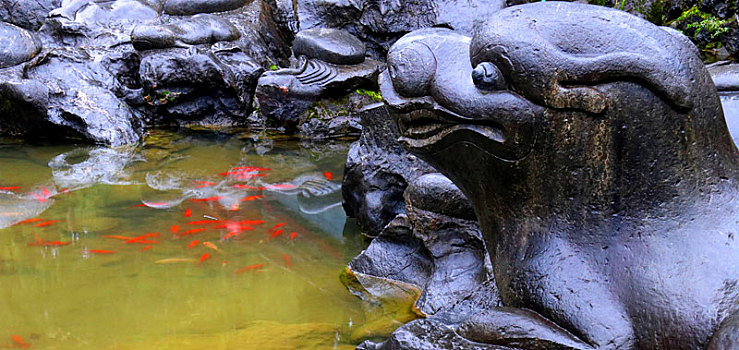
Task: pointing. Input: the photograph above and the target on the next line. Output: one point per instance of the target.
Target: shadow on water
(181, 242)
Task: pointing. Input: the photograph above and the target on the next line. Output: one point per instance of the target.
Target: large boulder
(28, 14)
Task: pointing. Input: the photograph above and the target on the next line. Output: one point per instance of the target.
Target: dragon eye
(412, 68)
(487, 76)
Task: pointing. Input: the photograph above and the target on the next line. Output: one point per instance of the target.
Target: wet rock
(286, 93)
(17, 45)
(725, 76)
(192, 7)
(29, 14)
(329, 45)
(380, 22)
(196, 30)
(332, 118)
(199, 86)
(378, 170)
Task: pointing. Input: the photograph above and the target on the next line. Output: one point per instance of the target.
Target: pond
(185, 241)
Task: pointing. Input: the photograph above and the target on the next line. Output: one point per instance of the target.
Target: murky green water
(69, 297)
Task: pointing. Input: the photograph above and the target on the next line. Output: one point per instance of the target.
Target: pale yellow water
(63, 297)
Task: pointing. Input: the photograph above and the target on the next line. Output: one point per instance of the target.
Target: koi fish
(252, 222)
(203, 184)
(204, 257)
(230, 234)
(146, 248)
(276, 227)
(235, 206)
(293, 235)
(41, 243)
(251, 198)
(122, 238)
(276, 233)
(192, 244)
(248, 268)
(39, 197)
(287, 259)
(99, 251)
(142, 237)
(28, 221)
(192, 231)
(188, 212)
(141, 241)
(212, 246)
(18, 340)
(203, 222)
(46, 223)
(9, 188)
(208, 199)
(174, 260)
(328, 175)
(255, 188)
(174, 229)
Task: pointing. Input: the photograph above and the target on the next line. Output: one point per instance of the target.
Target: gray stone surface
(329, 45)
(17, 45)
(192, 7)
(592, 179)
(28, 14)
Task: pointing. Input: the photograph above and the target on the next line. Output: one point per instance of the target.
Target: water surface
(154, 292)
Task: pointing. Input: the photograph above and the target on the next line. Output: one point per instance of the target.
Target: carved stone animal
(595, 151)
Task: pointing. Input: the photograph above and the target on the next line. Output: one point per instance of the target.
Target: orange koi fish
(146, 248)
(249, 268)
(293, 235)
(204, 257)
(230, 234)
(174, 229)
(188, 212)
(122, 238)
(208, 199)
(287, 259)
(45, 192)
(41, 243)
(234, 207)
(39, 197)
(141, 241)
(28, 221)
(328, 175)
(276, 227)
(255, 188)
(174, 260)
(251, 198)
(46, 223)
(18, 340)
(204, 222)
(99, 251)
(276, 233)
(139, 238)
(212, 246)
(192, 244)
(9, 188)
(192, 231)
(203, 184)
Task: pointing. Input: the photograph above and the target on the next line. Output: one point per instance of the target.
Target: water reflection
(81, 276)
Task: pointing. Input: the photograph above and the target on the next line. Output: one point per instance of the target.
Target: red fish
(287, 260)
(18, 340)
(193, 243)
(45, 192)
(230, 234)
(141, 241)
(249, 268)
(293, 235)
(99, 251)
(46, 223)
(203, 222)
(204, 184)
(123, 238)
(188, 212)
(208, 199)
(276, 227)
(146, 248)
(41, 243)
(28, 221)
(174, 229)
(192, 231)
(328, 175)
(39, 197)
(276, 233)
(255, 188)
(150, 204)
(9, 188)
(204, 257)
(251, 198)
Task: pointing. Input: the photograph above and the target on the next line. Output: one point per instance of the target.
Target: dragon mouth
(422, 128)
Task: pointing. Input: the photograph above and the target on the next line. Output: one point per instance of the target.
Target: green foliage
(374, 95)
(699, 21)
(273, 67)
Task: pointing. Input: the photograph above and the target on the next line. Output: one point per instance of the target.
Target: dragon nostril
(486, 76)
